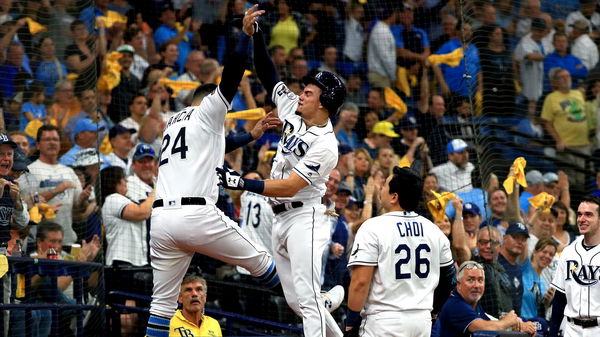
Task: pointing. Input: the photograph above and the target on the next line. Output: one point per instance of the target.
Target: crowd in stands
(87, 99)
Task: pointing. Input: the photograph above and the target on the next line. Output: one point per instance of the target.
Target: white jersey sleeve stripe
(122, 210)
(302, 175)
(444, 264)
(362, 263)
(223, 98)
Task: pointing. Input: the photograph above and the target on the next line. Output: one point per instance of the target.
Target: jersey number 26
(420, 261)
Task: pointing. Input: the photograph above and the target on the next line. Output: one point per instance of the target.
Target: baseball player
(398, 259)
(184, 216)
(577, 277)
(306, 153)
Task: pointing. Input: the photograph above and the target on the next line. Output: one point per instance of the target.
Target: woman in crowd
(362, 171)
(537, 294)
(82, 56)
(49, 70)
(561, 236)
(287, 28)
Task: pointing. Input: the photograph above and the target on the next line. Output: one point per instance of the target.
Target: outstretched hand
(249, 23)
(268, 122)
(230, 179)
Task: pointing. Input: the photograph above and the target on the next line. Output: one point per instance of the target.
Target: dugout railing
(19, 275)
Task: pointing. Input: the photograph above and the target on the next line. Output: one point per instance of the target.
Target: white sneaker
(333, 298)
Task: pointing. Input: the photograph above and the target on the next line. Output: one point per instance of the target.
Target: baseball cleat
(333, 298)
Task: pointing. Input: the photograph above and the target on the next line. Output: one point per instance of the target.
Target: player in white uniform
(398, 259)
(306, 153)
(577, 277)
(184, 216)
(256, 215)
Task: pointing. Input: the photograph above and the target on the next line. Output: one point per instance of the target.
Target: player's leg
(282, 260)
(413, 323)
(169, 265)
(222, 239)
(307, 238)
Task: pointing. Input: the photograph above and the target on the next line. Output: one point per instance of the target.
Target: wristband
(367, 202)
(459, 218)
(256, 186)
(352, 317)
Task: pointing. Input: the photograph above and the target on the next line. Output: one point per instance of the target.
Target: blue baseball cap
(456, 145)
(20, 161)
(144, 150)
(471, 208)
(344, 149)
(119, 129)
(87, 124)
(409, 122)
(516, 228)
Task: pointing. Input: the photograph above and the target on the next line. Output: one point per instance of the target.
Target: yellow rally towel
(177, 86)
(111, 18)
(405, 81)
(452, 59)
(111, 72)
(517, 173)
(179, 28)
(106, 147)
(437, 206)
(72, 77)
(395, 102)
(404, 162)
(543, 201)
(3, 265)
(35, 27)
(250, 114)
(32, 127)
(41, 210)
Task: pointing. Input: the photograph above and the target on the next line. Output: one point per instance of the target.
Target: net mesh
(457, 88)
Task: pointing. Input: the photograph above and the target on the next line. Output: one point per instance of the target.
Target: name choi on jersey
(183, 115)
(586, 275)
(292, 143)
(410, 228)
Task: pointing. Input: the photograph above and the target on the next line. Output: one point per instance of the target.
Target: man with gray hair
(462, 313)
(193, 65)
(344, 129)
(566, 121)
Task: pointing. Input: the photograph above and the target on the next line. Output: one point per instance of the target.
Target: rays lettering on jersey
(292, 143)
(183, 115)
(410, 228)
(586, 275)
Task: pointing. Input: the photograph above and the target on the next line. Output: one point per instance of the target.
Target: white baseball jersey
(408, 251)
(256, 218)
(578, 276)
(312, 153)
(193, 141)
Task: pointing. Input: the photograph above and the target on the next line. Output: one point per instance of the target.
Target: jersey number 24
(420, 261)
(178, 146)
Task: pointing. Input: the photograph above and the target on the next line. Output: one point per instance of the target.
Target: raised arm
(234, 65)
(265, 68)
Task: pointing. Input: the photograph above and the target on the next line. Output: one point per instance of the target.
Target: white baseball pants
(299, 237)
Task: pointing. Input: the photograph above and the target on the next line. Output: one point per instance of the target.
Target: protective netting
(455, 89)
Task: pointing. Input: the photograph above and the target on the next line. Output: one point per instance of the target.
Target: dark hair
(408, 185)
(559, 205)
(130, 33)
(542, 243)
(275, 48)
(134, 96)
(203, 90)
(45, 227)
(109, 178)
(46, 127)
(76, 23)
(32, 88)
(163, 47)
(592, 200)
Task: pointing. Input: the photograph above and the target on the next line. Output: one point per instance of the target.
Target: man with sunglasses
(498, 297)
(398, 260)
(462, 313)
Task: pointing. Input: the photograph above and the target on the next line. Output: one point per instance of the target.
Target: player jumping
(185, 219)
(306, 154)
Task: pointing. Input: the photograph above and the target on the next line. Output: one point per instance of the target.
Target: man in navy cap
(86, 136)
(411, 144)
(120, 140)
(511, 256)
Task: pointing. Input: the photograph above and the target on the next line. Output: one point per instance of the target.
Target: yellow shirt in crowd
(568, 116)
(181, 327)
